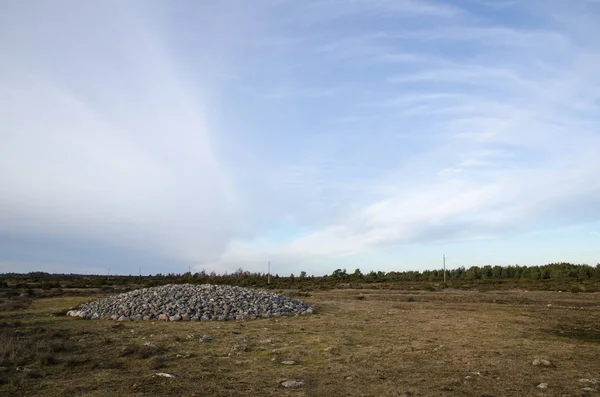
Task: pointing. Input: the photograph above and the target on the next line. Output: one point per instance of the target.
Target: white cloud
(111, 156)
(297, 132)
(509, 144)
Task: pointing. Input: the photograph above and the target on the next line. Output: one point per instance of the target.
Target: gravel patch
(188, 302)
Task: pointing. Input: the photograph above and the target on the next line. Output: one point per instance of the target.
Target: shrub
(575, 289)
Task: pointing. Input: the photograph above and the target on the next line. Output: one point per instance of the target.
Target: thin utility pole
(444, 268)
(269, 274)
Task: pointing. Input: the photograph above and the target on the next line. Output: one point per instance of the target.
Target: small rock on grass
(206, 338)
(288, 362)
(165, 375)
(589, 389)
(3, 369)
(292, 383)
(542, 385)
(540, 361)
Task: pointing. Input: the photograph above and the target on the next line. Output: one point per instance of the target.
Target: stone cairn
(181, 302)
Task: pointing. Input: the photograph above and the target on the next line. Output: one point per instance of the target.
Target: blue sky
(316, 134)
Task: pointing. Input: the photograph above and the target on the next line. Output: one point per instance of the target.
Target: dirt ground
(359, 343)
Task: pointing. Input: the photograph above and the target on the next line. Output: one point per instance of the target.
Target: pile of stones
(179, 302)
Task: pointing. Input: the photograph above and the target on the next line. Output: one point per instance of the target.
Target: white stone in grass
(288, 362)
(165, 375)
(292, 383)
(543, 362)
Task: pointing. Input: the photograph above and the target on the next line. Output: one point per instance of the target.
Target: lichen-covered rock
(187, 302)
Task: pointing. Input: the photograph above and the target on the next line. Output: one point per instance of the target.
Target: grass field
(360, 343)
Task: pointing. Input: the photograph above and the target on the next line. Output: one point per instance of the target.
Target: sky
(162, 136)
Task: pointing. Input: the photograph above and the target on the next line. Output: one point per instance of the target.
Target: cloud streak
(313, 134)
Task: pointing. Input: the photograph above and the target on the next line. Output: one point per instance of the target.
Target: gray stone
(542, 362)
(542, 385)
(292, 384)
(288, 362)
(165, 375)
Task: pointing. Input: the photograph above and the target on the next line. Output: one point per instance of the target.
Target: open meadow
(359, 343)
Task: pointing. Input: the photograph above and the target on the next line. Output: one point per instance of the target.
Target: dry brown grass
(360, 343)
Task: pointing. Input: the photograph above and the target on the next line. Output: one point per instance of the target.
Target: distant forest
(554, 276)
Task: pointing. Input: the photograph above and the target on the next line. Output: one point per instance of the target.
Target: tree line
(551, 276)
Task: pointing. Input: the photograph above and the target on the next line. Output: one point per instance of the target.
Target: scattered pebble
(589, 389)
(544, 362)
(542, 385)
(206, 338)
(165, 375)
(288, 362)
(292, 383)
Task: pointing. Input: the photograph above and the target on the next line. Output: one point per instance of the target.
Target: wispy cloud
(309, 133)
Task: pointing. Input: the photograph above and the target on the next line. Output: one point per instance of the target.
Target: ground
(359, 343)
